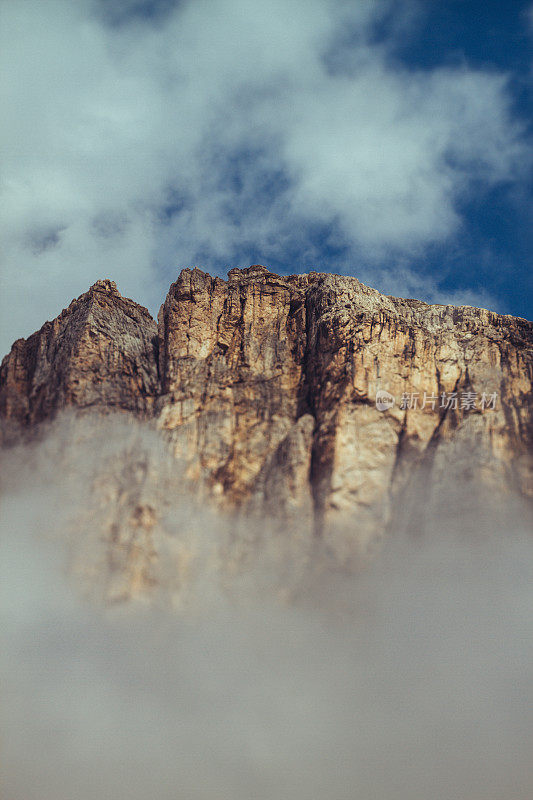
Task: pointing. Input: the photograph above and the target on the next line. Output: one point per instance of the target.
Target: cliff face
(100, 351)
(231, 361)
(266, 389)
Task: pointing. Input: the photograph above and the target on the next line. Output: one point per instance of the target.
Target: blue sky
(495, 247)
(389, 140)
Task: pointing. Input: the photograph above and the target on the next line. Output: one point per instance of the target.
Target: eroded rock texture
(231, 361)
(265, 388)
(360, 342)
(99, 352)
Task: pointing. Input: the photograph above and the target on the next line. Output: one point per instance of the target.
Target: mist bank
(248, 661)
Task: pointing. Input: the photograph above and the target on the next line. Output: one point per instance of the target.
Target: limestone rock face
(366, 460)
(231, 363)
(99, 352)
(269, 387)
(265, 389)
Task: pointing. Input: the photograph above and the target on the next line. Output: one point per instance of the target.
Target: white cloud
(103, 122)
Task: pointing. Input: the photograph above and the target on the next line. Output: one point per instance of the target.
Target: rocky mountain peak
(307, 396)
(105, 285)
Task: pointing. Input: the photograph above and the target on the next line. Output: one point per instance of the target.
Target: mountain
(302, 398)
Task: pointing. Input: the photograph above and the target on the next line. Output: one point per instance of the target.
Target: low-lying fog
(412, 680)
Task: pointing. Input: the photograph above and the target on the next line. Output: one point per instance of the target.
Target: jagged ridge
(266, 386)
